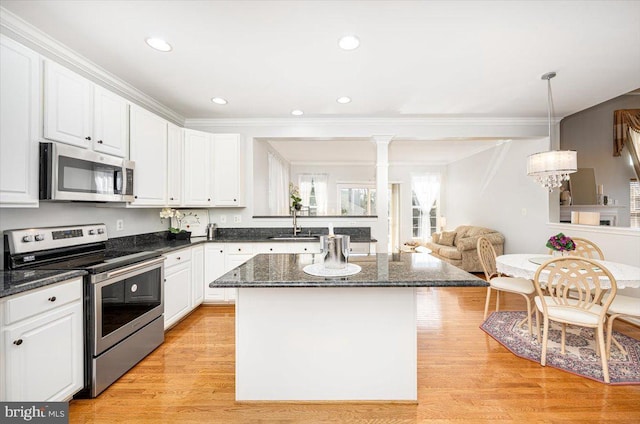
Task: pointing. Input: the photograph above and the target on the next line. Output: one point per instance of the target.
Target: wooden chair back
(575, 283)
(487, 256)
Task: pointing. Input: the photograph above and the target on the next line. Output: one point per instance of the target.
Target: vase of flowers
(561, 245)
(296, 200)
(175, 232)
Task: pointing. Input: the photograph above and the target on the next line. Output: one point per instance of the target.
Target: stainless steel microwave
(74, 174)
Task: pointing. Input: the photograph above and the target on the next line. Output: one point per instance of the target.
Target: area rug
(580, 357)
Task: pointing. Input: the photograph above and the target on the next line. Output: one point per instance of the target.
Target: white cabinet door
(197, 276)
(197, 168)
(177, 293)
(110, 123)
(228, 167)
(175, 145)
(213, 268)
(68, 106)
(148, 148)
(45, 356)
(19, 124)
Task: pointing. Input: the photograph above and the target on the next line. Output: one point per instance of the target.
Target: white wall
(492, 189)
(590, 133)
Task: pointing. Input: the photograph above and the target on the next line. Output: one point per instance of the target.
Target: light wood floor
(463, 376)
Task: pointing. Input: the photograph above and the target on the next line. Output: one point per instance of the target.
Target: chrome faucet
(296, 229)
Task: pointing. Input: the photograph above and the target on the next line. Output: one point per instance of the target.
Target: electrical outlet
(237, 219)
(223, 219)
(119, 224)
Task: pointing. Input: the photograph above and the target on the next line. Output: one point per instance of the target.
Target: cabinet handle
(99, 141)
(88, 138)
(17, 342)
(52, 299)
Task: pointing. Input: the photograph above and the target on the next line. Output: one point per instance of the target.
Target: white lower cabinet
(214, 255)
(42, 343)
(177, 286)
(197, 275)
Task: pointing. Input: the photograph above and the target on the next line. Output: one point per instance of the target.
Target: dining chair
(621, 306)
(498, 282)
(586, 248)
(584, 278)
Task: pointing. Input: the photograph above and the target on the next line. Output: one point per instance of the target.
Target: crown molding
(15, 27)
(414, 121)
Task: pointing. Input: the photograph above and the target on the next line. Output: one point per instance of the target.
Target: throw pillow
(447, 238)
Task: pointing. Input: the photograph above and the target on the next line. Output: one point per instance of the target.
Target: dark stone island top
(381, 270)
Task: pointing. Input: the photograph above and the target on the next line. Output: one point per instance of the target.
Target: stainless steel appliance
(74, 174)
(124, 300)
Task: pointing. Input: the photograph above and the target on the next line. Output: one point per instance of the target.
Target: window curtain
(320, 182)
(278, 186)
(623, 120)
(427, 189)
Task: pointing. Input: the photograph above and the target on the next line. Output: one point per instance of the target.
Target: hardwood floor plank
(463, 376)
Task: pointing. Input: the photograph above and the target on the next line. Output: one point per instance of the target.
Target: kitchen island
(306, 338)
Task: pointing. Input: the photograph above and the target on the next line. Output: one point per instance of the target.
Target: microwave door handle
(117, 181)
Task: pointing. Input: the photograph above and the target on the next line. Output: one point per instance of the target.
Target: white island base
(326, 344)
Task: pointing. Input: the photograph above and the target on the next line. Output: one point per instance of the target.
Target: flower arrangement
(561, 243)
(294, 194)
(173, 213)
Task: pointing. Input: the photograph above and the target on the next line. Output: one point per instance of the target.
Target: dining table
(525, 265)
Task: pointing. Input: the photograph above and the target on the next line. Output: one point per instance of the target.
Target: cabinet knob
(170, 198)
(234, 200)
(271, 249)
(135, 197)
(221, 251)
(208, 200)
(17, 342)
(305, 249)
(239, 250)
(52, 299)
(178, 258)
(88, 138)
(99, 141)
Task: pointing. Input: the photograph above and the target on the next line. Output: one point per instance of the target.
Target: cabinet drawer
(239, 249)
(39, 301)
(177, 258)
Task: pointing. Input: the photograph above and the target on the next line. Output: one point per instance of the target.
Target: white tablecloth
(519, 265)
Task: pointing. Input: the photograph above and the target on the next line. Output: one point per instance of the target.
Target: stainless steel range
(124, 300)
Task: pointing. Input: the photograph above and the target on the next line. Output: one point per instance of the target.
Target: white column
(381, 228)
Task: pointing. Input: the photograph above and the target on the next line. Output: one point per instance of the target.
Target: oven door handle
(134, 268)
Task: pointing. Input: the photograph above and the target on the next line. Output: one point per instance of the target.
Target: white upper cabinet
(148, 148)
(228, 166)
(79, 112)
(110, 123)
(197, 168)
(68, 106)
(175, 157)
(19, 124)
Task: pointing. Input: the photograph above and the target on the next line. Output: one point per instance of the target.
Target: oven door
(125, 300)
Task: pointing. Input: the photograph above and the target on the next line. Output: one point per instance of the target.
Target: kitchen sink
(290, 237)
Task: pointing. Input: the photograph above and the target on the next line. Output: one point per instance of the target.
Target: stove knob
(100, 230)
(39, 237)
(27, 239)
(92, 232)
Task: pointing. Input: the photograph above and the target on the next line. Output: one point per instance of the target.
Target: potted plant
(175, 233)
(561, 244)
(296, 200)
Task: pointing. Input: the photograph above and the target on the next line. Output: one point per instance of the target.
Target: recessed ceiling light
(343, 100)
(349, 42)
(159, 44)
(297, 112)
(219, 100)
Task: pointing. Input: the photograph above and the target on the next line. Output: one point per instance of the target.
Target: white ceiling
(417, 58)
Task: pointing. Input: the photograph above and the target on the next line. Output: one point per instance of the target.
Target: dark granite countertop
(381, 270)
(14, 282)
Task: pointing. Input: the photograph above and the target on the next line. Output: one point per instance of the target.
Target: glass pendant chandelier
(550, 169)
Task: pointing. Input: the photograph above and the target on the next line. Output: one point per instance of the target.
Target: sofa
(458, 247)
